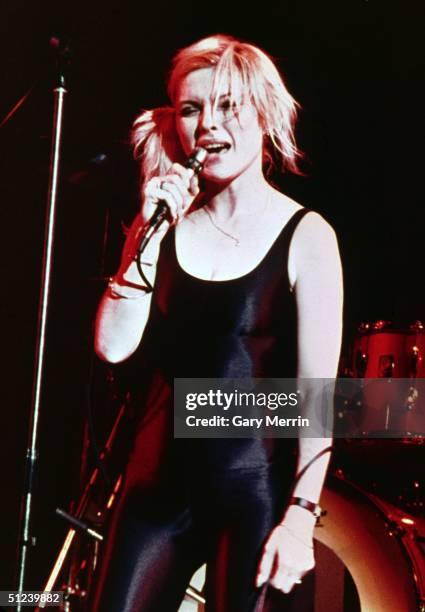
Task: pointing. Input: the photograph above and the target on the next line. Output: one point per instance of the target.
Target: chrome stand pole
(26, 540)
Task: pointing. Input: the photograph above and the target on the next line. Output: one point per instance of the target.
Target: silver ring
(299, 581)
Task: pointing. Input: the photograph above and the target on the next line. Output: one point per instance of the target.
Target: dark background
(355, 67)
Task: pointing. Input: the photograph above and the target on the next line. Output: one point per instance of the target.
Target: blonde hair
(243, 66)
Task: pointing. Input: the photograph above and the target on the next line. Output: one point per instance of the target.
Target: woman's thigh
(245, 508)
(151, 555)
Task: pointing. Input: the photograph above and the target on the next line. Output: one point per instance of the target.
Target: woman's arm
(124, 308)
(319, 296)
(314, 256)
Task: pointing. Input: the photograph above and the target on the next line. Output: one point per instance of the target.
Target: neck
(244, 195)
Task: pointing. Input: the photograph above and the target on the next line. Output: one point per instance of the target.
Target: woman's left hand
(288, 552)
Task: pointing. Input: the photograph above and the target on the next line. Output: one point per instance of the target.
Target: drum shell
(392, 408)
(385, 352)
(359, 533)
(415, 348)
(381, 354)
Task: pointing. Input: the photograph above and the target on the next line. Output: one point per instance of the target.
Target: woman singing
(240, 281)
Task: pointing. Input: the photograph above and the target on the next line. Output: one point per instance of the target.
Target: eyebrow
(199, 101)
(181, 102)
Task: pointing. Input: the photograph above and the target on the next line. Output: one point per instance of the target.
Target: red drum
(392, 408)
(381, 546)
(415, 347)
(386, 353)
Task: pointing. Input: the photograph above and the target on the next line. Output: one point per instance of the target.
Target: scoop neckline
(236, 278)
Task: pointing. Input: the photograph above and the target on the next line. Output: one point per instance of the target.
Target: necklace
(217, 227)
(236, 240)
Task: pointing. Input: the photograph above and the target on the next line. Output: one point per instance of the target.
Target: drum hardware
(82, 526)
(381, 324)
(386, 366)
(78, 520)
(380, 546)
(361, 363)
(417, 326)
(74, 593)
(407, 528)
(395, 530)
(414, 361)
(411, 398)
(382, 350)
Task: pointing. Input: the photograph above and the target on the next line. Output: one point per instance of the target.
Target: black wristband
(315, 509)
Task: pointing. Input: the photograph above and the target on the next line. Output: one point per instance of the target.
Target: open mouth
(216, 147)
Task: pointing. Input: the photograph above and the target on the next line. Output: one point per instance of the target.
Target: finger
(168, 197)
(283, 581)
(184, 173)
(189, 179)
(284, 578)
(176, 208)
(173, 181)
(264, 568)
(194, 185)
(150, 199)
(177, 181)
(151, 187)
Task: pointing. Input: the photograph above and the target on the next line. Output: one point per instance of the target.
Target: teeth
(213, 148)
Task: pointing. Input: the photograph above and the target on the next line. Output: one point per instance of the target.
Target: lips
(215, 146)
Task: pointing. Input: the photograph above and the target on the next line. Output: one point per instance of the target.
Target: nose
(207, 119)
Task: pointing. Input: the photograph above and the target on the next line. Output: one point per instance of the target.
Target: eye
(226, 104)
(188, 110)
(229, 107)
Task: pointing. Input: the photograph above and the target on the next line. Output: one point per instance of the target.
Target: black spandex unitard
(187, 502)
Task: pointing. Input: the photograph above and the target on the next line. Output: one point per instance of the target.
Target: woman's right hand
(178, 188)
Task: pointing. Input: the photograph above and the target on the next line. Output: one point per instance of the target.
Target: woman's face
(234, 139)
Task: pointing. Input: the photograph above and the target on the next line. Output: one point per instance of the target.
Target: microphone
(194, 162)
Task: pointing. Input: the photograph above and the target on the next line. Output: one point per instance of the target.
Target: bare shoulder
(311, 230)
(314, 249)
(315, 235)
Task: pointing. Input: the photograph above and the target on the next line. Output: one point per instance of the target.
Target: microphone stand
(26, 539)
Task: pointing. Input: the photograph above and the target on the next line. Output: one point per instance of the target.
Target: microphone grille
(197, 159)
